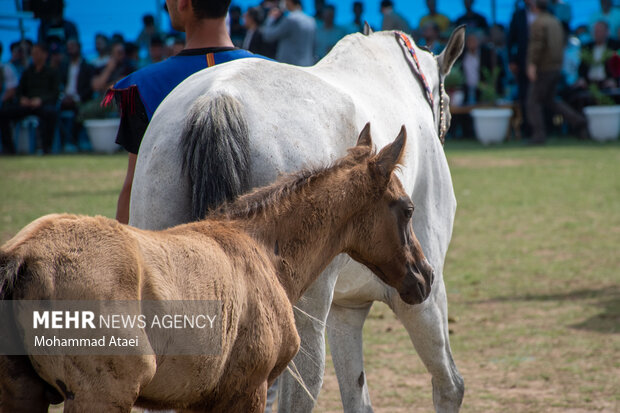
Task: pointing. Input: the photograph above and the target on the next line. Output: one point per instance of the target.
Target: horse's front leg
(427, 325)
(310, 316)
(344, 331)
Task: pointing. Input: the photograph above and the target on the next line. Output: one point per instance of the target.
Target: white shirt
(597, 69)
(471, 69)
(248, 39)
(11, 80)
(10, 76)
(72, 80)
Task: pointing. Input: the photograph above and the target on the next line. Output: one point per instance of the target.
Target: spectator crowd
(51, 80)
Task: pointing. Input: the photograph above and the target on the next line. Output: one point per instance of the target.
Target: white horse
(241, 124)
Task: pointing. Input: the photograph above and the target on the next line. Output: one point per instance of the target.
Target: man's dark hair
(148, 20)
(210, 9)
(296, 2)
(157, 41)
(542, 4)
(43, 46)
(386, 3)
(257, 14)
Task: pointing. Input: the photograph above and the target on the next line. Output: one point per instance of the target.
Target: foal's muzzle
(417, 284)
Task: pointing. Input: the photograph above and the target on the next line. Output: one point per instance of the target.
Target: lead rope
(417, 69)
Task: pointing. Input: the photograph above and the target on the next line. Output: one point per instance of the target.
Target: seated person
(37, 95)
(481, 66)
(77, 77)
(118, 67)
(430, 37)
(596, 70)
(595, 67)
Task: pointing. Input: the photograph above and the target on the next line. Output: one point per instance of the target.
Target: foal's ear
(391, 155)
(365, 139)
(367, 30)
(453, 50)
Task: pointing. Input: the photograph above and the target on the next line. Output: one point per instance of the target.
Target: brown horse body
(256, 256)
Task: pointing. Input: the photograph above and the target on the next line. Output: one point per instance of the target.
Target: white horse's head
(445, 61)
(431, 71)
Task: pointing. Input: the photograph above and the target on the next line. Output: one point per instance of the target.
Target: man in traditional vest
(139, 94)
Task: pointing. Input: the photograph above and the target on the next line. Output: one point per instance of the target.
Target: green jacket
(546, 45)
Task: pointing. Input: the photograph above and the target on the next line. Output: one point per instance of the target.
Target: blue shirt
(139, 94)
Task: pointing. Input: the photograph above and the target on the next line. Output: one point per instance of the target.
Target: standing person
(294, 34)
(544, 65)
(434, 16)
(253, 40)
(236, 29)
(516, 44)
(391, 19)
(148, 32)
(327, 34)
(357, 25)
(474, 21)
(37, 95)
(139, 94)
(56, 29)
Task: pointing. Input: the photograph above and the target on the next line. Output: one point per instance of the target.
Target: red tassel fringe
(125, 99)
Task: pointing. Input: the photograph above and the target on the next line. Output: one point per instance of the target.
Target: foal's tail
(12, 267)
(215, 146)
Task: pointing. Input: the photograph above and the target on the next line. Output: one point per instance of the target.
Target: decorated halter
(414, 64)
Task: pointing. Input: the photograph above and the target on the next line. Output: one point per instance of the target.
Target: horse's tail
(216, 155)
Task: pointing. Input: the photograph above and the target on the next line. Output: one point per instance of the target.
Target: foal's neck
(307, 233)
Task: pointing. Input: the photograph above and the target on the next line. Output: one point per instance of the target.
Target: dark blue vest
(154, 82)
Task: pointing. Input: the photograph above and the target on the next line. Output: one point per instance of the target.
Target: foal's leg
(344, 331)
(427, 325)
(105, 383)
(310, 360)
(255, 403)
(21, 389)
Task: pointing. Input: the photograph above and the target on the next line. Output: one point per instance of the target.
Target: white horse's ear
(365, 139)
(367, 30)
(453, 50)
(391, 155)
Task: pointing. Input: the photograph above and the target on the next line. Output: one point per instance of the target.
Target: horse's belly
(183, 378)
(357, 286)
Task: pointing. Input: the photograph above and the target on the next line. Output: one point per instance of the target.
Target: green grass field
(533, 274)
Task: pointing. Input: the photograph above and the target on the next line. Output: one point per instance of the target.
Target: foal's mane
(276, 194)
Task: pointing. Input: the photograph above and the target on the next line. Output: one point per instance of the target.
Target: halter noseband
(417, 69)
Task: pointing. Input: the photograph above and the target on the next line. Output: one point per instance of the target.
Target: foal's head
(382, 233)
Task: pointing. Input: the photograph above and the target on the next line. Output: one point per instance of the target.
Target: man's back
(295, 36)
(546, 47)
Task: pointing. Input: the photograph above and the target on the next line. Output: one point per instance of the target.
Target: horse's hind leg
(21, 389)
(344, 331)
(427, 325)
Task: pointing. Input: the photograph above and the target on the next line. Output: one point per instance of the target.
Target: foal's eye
(408, 212)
